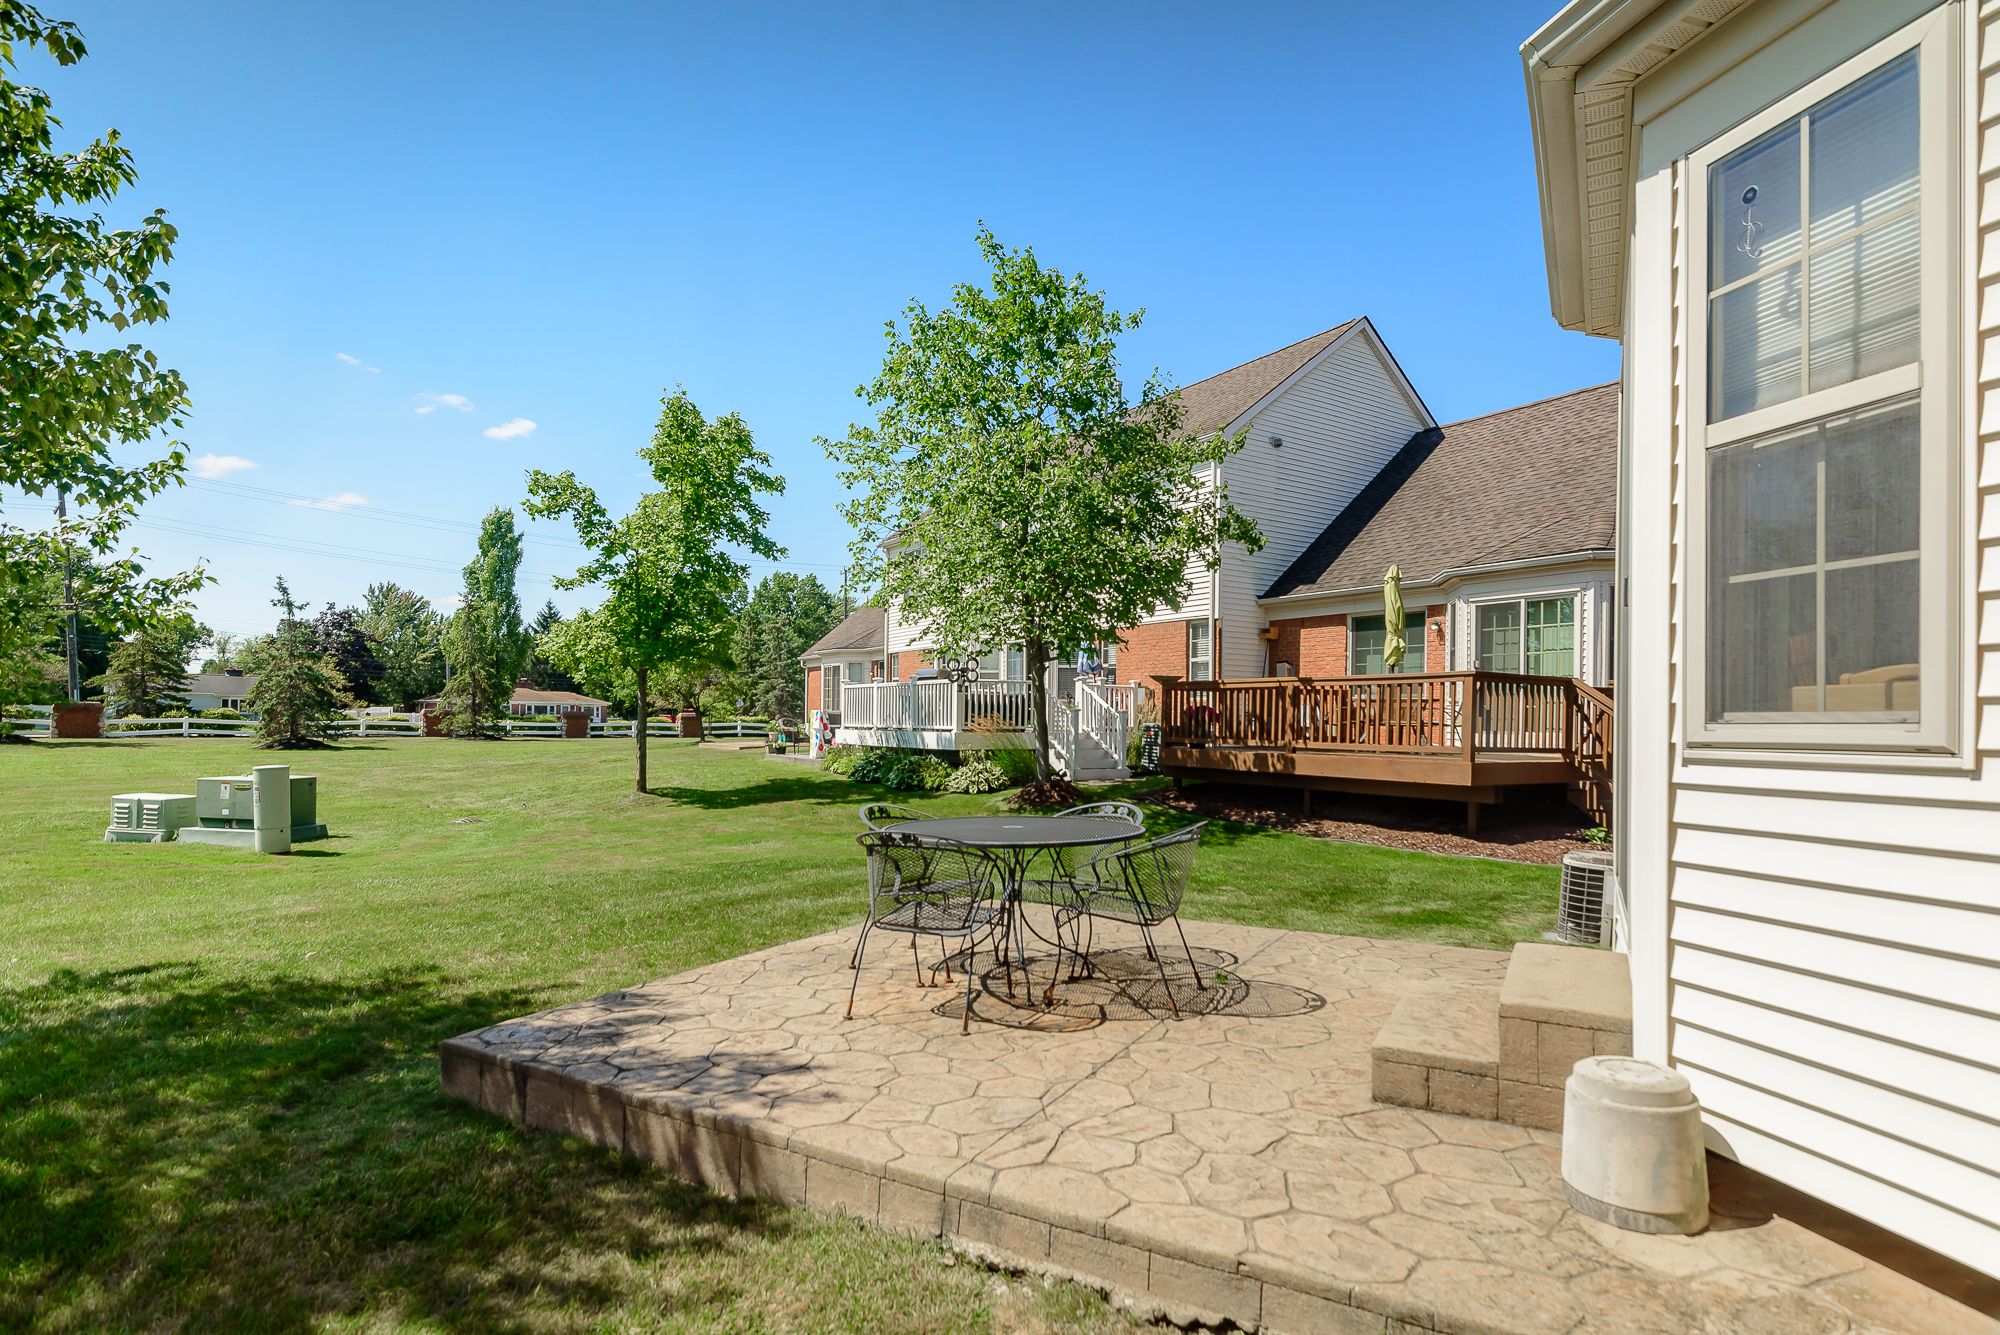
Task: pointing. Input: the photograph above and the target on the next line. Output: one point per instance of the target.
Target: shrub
(904, 771)
(1148, 712)
(1016, 762)
(977, 775)
(221, 713)
(842, 759)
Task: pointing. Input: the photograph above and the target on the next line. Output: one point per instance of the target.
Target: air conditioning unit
(1582, 914)
(148, 818)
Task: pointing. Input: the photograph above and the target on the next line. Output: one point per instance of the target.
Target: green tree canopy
(786, 613)
(299, 691)
(409, 642)
(69, 395)
(667, 568)
(1031, 502)
(485, 643)
(147, 676)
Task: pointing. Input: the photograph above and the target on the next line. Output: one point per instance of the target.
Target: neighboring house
(851, 652)
(220, 690)
(529, 702)
(1785, 212)
(1502, 526)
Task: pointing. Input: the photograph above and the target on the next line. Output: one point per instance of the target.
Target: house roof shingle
(1214, 403)
(528, 695)
(222, 684)
(1534, 481)
(866, 627)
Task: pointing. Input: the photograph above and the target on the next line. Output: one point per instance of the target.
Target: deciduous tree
(71, 395)
(408, 634)
(1033, 503)
(667, 568)
(148, 676)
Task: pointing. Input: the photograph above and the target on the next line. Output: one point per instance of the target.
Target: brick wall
(1434, 641)
(1145, 653)
(909, 663)
(812, 689)
(1314, 646)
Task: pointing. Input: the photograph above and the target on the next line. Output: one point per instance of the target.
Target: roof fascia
(1444, 578)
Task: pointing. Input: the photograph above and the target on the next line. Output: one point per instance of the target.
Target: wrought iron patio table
(1015, 841)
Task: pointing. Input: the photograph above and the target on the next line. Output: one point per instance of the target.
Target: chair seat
(936, 912)
(1117, 905)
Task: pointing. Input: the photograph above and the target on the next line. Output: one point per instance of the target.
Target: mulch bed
(1527, 827)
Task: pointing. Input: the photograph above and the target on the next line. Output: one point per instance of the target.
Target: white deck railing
(935, 706)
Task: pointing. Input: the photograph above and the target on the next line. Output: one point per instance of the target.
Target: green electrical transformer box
(223, 802)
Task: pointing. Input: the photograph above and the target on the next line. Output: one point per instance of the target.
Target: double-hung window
(1536, 636)
(1822, 509)
(1368, 639)
(1201, 657)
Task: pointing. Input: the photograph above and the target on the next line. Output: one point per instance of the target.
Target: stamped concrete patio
(1229, 1165)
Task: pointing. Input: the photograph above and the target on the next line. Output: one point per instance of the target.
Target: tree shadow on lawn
(186, 1149)
(834, 792)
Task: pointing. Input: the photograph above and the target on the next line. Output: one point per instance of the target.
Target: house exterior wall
(1148, 652)
(1315, 646)
(1815, 938)
(813, 679)
(1590, 585)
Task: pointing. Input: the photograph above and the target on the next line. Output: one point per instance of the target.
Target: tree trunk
(639, 726)
(1036, 652)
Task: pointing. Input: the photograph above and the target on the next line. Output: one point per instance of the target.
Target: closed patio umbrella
(1393, 646)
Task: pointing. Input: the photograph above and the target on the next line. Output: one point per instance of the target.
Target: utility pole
(69, 597)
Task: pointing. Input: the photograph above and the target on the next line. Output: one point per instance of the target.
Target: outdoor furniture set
(964, 878)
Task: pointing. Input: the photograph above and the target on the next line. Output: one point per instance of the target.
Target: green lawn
(218, 1088)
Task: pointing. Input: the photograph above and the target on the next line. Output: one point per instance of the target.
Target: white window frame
(1521, 600)
(1933, 379)
(1208, 628)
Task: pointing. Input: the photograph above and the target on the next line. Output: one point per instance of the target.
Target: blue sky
(553, 213)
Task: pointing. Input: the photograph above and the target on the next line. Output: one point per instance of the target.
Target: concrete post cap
(1630, 1082)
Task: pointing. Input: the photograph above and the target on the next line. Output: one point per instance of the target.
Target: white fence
(934, 705)
(391, 725)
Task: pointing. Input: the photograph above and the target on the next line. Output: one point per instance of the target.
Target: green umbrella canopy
(1393, 646)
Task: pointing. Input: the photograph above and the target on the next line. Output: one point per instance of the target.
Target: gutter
(1444, 577)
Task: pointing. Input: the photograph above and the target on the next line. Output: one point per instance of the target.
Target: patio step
(1504, 1051)
(1441, 1049)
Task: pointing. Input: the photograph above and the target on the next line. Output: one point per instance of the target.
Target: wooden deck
(1462, 736)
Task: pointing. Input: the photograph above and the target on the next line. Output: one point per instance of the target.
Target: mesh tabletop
(1023, 831)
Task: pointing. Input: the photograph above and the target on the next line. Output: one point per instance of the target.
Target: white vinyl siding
(1815, 941)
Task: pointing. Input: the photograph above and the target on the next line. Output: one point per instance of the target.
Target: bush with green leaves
(903, 771)
(977, 775)
(222, 713)
(842, 759)
(1017, 763)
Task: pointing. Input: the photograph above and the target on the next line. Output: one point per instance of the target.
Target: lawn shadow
(189, 1150)
(791, 788)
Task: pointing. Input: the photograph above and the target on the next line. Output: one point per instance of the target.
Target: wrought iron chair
(1058, 887)
(877, 815)
(1142, 884)
(930, 887)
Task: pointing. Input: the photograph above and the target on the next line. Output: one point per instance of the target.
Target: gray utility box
(223, 803)
(148, 818)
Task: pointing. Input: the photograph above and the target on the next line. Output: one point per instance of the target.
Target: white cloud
(214, 466)
(430, 403)
(346, 360)
(512, 429)
(450, 600)
(343, 501)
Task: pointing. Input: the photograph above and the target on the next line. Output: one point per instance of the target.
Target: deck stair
(1503, 1052)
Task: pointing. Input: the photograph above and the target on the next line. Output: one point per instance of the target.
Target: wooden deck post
(1472, 818)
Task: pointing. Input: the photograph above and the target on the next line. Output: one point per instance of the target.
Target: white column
(271, 808)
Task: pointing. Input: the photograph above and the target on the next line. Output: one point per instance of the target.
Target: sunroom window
(1368, 638)
(1820, 454)
(1536, 636)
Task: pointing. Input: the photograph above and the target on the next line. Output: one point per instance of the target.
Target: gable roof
(528, 695)
(1214, 403)
(866, 627)
(221, 684)
(1539, 480)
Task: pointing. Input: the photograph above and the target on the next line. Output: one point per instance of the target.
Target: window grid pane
(1788, 311)
(1498, 637)
(1551, 637)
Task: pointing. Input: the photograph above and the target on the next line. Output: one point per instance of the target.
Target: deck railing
(1428, 713)
(935, 705)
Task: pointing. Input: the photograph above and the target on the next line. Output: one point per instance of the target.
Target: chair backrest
(876, 815)
(1156, 872)
(955, 879)
(1124, 811)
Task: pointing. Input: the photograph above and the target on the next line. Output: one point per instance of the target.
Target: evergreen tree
(299, 691)
(147, 676)
(785, 615)
(485, 643)
(545, 675)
